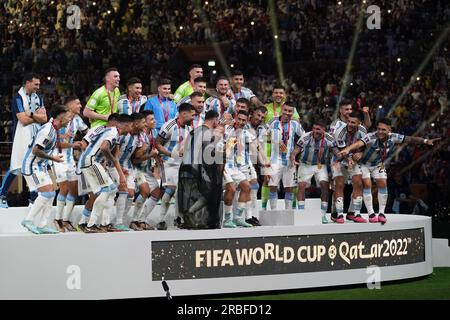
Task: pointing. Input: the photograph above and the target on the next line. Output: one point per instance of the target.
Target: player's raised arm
(419, 140)
(344, 152)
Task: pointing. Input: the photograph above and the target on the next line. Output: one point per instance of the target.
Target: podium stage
(289, 252)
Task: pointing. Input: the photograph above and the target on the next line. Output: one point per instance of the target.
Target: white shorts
(144, 177)
(97, 177)
(373, 171)
(169, 174)
(249, 172)
(38, 179)
(285, 173)
(64, 171)
(83, 186)
(344, 171)
(306, 172)
(131, 180)
(233, 175)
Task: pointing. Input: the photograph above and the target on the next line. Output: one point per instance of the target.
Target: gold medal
(319, 165)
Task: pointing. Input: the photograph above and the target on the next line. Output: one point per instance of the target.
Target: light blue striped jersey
(258, 131)
(126, 105)
(127, 145)
(239, 155)
(68, 134)
(376, 150)
(291, 130)
(149, 140)
(173, 136)
(198, 120)
(336, 125)
(46, 139)
(343, 138)
(213, 103)
(95, 137)
(244, 93)
(311, 148)
(186, 99)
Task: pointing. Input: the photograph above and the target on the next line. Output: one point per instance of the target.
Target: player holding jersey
(170, 143)
(284, 132)
(379, 147)
(315, 147)
(65, 171)
(34, 169)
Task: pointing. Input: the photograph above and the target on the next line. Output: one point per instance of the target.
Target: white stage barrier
(293, 252)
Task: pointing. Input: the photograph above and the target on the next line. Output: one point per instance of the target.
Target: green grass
(435, 286)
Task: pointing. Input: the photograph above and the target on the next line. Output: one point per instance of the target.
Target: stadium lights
(380, 107)
(275, 36)
(214, 71)
(11, 21)
(432, 124)
(53, 2)
(260, 52)
(252, 23)
(109, 11)
(93, 3)
(49, 78)
(418, 78)
(211, 63)
(231, 65)
(339, 3)
(20, 24)
(351, 83)
(206, 3)
(399, 59)
(364, 1)
(382, 73)
(181, 27)
(389, 11)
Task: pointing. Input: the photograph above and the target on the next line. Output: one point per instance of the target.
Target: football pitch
(435, 286)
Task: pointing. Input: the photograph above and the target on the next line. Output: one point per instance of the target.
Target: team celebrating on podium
(127, 160)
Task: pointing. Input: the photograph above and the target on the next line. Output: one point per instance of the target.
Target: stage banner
(240, 257)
